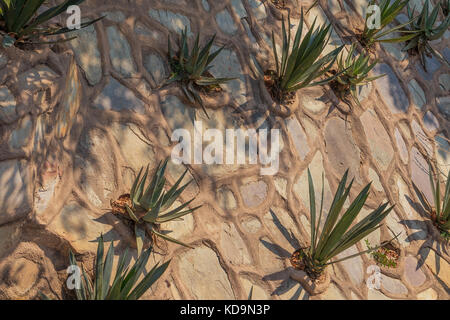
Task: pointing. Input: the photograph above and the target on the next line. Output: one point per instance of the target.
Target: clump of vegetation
(300, 66)
(354, 72)
(191, 69)
(388, 12)
(440, 212)
(149, 207)
(336, 235)
(21, 24)
(423, 31)
(385, 256)
(125, 284)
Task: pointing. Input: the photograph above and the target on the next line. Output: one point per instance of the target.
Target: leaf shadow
(284, 231)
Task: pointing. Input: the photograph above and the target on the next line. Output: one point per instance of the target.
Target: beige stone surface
(73, 137)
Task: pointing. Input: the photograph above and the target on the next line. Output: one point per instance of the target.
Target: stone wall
(77, 123)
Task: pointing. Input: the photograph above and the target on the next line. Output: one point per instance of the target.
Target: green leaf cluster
(354, 72)
(381, 257)
(151, 204)
(424, 30)
(125, 285)
(21, 23)
(337, 235)
(388, 11)
(440, 212)
(302, 64)
(191, 67)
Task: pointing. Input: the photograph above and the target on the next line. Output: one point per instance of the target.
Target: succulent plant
(191, 68)
(388, 12)
(336, 234)
(149, 207)
(20, 22)
(354, 72)
(301, 65)
(440, 212)
(125, 284)
(384, 256)
(424, 30)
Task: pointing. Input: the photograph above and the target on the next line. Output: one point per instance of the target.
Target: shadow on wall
(390, 89)
(14, 198)
(287, 284)
(424, 232)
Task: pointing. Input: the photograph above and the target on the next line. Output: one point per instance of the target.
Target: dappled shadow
(287, 283)
(422, 226)
(438, 248)
(286, 286)
(276, 249)
(286, 234)
(390, 89)
(14, 200)
(282, 275)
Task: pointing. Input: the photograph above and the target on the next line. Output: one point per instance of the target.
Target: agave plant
(354, 72)
(388, 12)
(440, 212)
(191, 68)
(20, 22)
(149, 207)
(125, 285)
(336, 234)
(424, 31)
(301, 65)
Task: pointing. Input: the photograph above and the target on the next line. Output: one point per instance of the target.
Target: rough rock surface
(111, 118)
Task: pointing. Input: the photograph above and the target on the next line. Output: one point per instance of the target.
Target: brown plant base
(280, 4)
(298, 261)
(370, 47)
(436, 231)
(118, 208)
(313, 282)
(443, 235)
(277, 95)
(342, 92)
(212, 89)
(27, 46)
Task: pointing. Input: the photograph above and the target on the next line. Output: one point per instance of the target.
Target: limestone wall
(78, 123)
